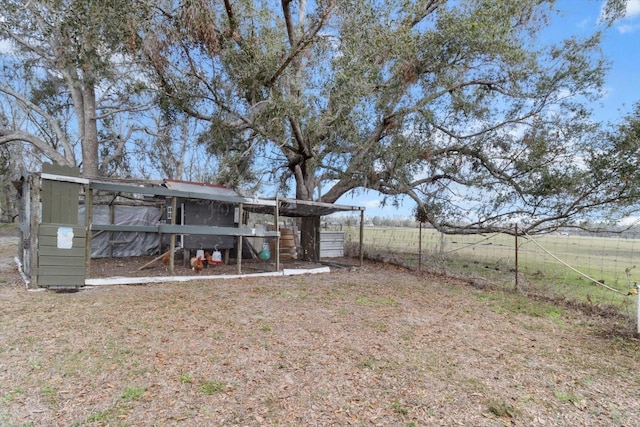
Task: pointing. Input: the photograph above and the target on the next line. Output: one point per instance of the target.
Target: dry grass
(377, 346)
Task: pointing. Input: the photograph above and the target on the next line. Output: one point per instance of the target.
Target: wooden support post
(112, 218)
(172, 239)
(277, 228)
(88, 220)
(239, 239)
(34, 216)
(637, 311)
(361, 237)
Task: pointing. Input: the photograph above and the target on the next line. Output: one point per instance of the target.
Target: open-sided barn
(62, 214)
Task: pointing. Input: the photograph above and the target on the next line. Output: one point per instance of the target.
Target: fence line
(595, 269)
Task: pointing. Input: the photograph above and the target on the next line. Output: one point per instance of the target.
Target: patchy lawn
(377, 346)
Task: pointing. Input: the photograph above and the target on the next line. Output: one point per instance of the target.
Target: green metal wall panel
(61, 242)
(61, 258)
(59, 198)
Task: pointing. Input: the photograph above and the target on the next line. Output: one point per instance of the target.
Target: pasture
(554, 264)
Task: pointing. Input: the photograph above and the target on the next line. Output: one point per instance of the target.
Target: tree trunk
(310, 238)
(90, 167)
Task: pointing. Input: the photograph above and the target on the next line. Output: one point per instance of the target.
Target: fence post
(516, 256)
(420, 249)
(637, 310)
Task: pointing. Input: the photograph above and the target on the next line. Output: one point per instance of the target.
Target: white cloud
(629, 23)
(372, 203)
(628, 28)
(633, 8)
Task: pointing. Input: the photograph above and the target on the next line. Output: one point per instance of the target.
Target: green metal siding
(59, 267)
(61, 257)
(59, 199)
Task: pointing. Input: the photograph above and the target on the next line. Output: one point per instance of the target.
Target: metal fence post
(637, 310)
(420, 249)
(516, 256)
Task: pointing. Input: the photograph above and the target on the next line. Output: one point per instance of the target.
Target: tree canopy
(71, 86)
(456, 104)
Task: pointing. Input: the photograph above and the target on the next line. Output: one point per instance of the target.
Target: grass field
(562, 265)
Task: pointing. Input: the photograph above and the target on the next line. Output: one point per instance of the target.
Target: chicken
(207, 255)
(196, 264)
(166, 258)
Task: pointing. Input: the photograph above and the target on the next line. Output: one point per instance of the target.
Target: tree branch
(60, 135)
(8, 135)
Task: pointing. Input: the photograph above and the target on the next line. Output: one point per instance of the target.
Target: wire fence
(594, 270)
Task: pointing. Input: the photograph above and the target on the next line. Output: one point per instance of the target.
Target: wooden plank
(34, 212)
(204, 230)
(154, 260)
(61, 268)
(216, 231)
(125, 228)
(53, 249)
(52, 241)
(49, 229)
(61, 282)
(46, 196)
(60, 202)
(88, 219)
(56, 169)
(193, 278)
(60, 271)
(55, 260)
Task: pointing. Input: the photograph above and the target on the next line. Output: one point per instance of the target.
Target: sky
(621, 47)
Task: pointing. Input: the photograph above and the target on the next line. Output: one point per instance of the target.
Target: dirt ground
(375, 346)
(132, 267)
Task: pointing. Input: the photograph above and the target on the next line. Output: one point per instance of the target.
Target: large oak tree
(456, 104)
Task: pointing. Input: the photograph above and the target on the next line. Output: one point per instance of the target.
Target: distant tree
(457, 105)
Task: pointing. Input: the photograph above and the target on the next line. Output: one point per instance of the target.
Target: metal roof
(305, 208)
(199, 187)
(192, 190)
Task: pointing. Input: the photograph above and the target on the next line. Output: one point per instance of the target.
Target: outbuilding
(56, 241)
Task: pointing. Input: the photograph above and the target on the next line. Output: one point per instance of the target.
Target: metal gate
(61, 241)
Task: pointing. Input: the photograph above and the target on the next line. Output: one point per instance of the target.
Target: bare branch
(60, 135)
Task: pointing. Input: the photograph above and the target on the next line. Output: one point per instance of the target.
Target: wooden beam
(361, 237)
(186, 229)
(88, 219)
(172, 238)
(239, 239)
(155, 260)
(277, 228)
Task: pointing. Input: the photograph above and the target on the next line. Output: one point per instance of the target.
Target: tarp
(119, 244)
